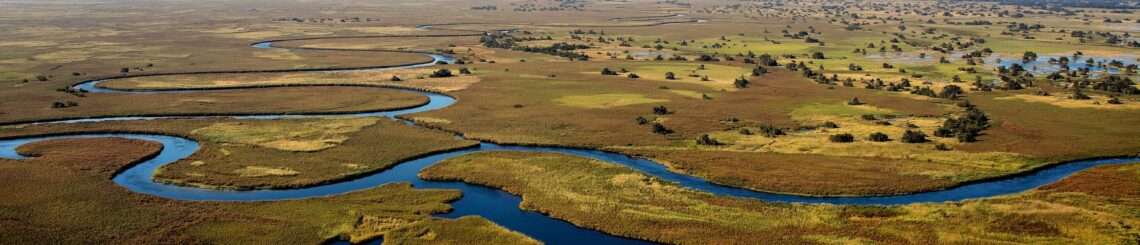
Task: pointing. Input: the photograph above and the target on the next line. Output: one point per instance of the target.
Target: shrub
(943, 132)
(706, 140)
(771, 131)
(670, 76)
(661, 129)
(951, 92)
(759, 70)
(606, 71)
(64, 104)
(745, 131)
(913, 137)
(878, 137)
(842, 138)
(441, 73)
(1078, 95)
(660, 110)
(741, 83)
(942, 147)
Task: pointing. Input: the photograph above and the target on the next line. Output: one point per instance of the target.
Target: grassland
(415, 78)
(618, 200)
(294, 153)
(602, 101)
(531, 98)
(263, 101)
(65, 196)
(239, 154)
(778, 99)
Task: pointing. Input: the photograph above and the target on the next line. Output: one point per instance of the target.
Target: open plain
(569, 122)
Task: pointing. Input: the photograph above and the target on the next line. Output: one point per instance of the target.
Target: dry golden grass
(66, 196)
(295, 153)
(1062, 100)
(618, 200)
(259, 171)
(307, 136)
(277, 54)
(411, 77)
(465, 230)
(603, 101)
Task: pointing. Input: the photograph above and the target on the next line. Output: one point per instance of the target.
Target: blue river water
(493, 204)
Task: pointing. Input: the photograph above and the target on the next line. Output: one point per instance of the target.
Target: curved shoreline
(1017, 174)
(478, 200)
(342, 178)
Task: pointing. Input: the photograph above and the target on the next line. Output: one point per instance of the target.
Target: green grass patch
(603, 101)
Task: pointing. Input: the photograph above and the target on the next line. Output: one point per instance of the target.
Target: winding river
(493, 204)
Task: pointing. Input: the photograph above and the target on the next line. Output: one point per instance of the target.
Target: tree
(842, 138)
(660, 110)
(913, 137)
(670, 76)
(966, 127)
(951, 92)
(1029, 56)
(818, 55)
(878, 137)
(767, 60)
(633, 76)
(854, 101)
